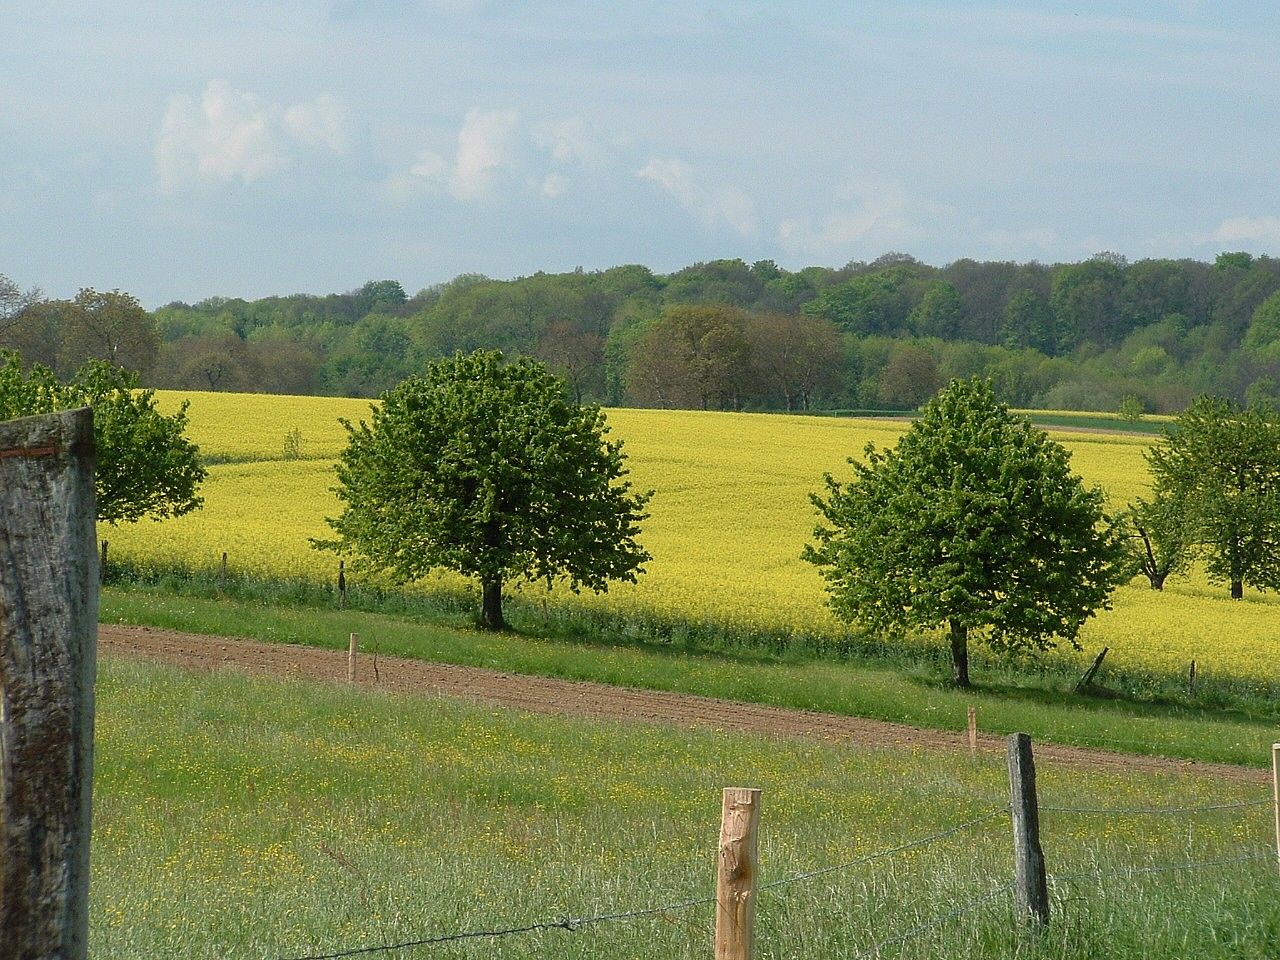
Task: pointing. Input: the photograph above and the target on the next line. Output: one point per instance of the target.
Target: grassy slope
(256, 818)
(845, 688)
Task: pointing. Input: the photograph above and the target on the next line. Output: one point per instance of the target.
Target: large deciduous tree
(146, 466)
(974, 523)
(487, 469)
(1221, 462)
(110, 326)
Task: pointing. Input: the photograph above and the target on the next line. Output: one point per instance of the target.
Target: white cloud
(569, 141)
(322, 123)
(487, 143)
(712, 206)
(227, 136)
(231, 135)
(879, 216)
(554, 184)
(1260, 231)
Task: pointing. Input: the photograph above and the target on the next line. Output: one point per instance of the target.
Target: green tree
(973, 522)
(146, 466)
(488, 469)
(1162, 543)
(1222, 462)
(940, 314)
(108, 326)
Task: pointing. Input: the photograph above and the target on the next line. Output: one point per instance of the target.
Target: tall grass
(254, 818)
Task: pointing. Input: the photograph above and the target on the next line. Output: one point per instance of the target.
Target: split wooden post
(222, 574)
(736, 874)
(1275, 788)
(1191, 680)
(48, 634)
(342, 585)
(973, 733)
(1031, 891)
(351, 657)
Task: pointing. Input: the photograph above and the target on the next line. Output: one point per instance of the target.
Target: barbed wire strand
(937, 921)
(889, 851)
(570, 924)
(1156, 811)
(1160, 868)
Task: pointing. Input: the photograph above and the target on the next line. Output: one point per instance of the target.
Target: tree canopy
(488, 469)
(973, 522)
(146, 465)
(1221, 463)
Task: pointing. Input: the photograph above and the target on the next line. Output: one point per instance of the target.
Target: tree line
(725, 334)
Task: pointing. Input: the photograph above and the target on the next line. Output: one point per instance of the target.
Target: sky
(181, 150)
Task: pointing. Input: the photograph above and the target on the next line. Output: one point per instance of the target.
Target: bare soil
(594, 701)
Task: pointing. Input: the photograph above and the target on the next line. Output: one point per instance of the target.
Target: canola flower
(728, 521)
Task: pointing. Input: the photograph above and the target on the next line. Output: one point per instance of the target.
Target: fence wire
(1160, 867)
(924, 928)
(1156, 811)
(568, 924)
(888, 851)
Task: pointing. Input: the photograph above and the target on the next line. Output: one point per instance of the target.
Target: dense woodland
(724, 334)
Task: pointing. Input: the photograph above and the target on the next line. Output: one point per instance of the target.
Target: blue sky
(181, 150)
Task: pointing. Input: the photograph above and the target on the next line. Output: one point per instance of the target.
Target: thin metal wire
(937, 921)
(1160, 868)
(888, 852)
(570, 924)
(1156, 811)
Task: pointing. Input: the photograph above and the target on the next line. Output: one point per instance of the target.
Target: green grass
(258, 818)
(1007, 701)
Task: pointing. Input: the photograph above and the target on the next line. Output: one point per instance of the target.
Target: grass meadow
(729, 519)
(259, 818)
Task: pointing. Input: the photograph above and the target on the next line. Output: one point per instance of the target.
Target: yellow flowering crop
(729, 519)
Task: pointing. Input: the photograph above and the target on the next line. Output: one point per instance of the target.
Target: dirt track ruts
(591, 700)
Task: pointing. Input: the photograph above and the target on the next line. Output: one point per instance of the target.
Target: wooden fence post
(351, 657)
(342, 585)
(1275, 788)
(222, 574)
(736, 874)
(48, 635)
(1031, 892)
(973, 733)
(102, 564)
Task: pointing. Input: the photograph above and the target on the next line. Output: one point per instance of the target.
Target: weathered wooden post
(342, 585)
(1031, 891)
(352, 646)
(736, 874)
(48, 636)
(1275, 791)
(102, 564)
(222, 574)
(973, 733)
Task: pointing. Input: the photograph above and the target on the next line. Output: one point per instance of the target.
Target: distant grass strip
(921, 699)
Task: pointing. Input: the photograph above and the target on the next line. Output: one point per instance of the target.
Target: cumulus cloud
(569, 141)
(1259, 231)
(870, 215)
(712, 206)
(232, 135)
(554, 184)
(323, 123)
(487, 143)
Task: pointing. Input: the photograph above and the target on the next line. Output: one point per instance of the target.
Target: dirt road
(591, 700)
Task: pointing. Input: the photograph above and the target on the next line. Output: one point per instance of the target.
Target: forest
(1100, 334)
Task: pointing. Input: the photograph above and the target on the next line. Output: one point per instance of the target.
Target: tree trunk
(1157, 580)
(491, 606)
(960, 654)
(1237, 590)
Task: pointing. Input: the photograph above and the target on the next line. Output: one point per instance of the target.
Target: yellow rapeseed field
(729, 519)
